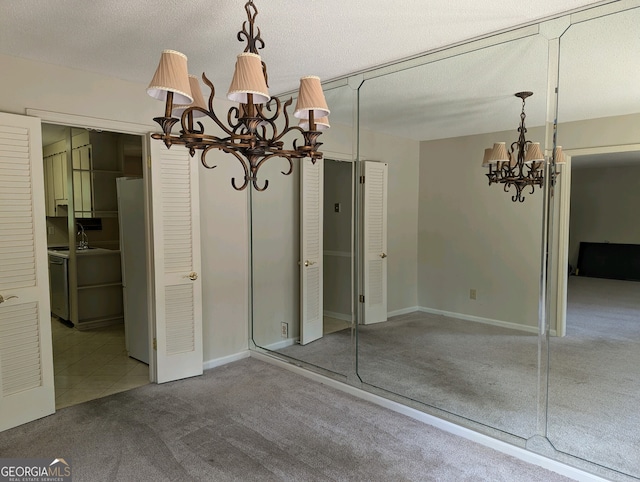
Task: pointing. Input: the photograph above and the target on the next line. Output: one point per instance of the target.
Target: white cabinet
(56, 193)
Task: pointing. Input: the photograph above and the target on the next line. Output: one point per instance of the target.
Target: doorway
(594, 206)
(90, 338)
(338, 252)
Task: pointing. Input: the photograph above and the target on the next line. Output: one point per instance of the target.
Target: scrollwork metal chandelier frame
(251, 132)
(516, 171)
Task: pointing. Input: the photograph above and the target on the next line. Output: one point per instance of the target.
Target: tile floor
(92, 364)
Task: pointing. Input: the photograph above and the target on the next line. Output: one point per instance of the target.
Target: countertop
(64, 253)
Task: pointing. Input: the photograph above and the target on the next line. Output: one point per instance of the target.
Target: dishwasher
(59, 286)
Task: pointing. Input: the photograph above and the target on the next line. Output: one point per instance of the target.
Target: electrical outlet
(472, 294)
(51, 230)
(284, 329)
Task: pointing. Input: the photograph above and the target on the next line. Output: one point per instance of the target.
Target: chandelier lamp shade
(522, 164)
(254, 130)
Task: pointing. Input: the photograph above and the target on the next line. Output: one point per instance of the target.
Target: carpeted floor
(250, 421)
(489, 374)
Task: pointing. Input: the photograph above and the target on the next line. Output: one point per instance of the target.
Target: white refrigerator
(133, 258)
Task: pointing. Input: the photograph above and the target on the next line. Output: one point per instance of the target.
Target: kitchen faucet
(84, 241)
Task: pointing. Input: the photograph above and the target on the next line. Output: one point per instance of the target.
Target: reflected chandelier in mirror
(520, 166)
(250, 133)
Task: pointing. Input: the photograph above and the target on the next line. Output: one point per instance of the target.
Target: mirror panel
(594, 380)
(463, 272)
(278, 266)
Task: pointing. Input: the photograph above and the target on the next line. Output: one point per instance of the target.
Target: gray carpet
(481, 372)
(489, 374)
(594, 381)
(252, 421)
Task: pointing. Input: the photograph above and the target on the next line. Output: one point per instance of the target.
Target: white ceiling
(332, 38)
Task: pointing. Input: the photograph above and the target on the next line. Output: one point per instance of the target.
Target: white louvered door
(26, 357)
(176, 254)
(311, 224)
(375, 241)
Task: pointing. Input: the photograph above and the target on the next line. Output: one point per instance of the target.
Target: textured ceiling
(333, 38)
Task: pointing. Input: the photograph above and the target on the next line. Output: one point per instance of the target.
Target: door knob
(3, 299)
(192, 276)
(383, 255)
(309, 263)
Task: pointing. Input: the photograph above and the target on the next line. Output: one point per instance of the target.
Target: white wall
(27, 84)
(472, 236)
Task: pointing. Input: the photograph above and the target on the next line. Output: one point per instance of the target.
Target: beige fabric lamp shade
(487, 156)
(171, 76)
(322, 124)
(311, 97)
(533, 154)
(248, 78)
(559, 155)
(499, 153)
(198, 99)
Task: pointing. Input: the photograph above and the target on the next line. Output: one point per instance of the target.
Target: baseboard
(478, 319)
(217, 362)
(281, 344)
(485, 440)
(403, 311)
(337, 316)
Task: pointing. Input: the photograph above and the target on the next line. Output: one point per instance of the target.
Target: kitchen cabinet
(99, 287)
(55, 174)
(97, 160)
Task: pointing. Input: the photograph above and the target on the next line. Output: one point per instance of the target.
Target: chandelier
(521, 166)
(253, 131)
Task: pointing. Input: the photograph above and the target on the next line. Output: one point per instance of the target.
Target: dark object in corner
(609, 260)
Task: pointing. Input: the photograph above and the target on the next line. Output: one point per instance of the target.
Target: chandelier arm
(283, 154)
(226, 149)
(211, 113)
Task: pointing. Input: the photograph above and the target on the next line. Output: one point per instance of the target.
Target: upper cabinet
(82, 166)
(97, 160)
(55, 175)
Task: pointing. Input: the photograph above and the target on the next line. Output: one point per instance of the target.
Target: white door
(26, 357)
(375, 241)
(176, 263)
(311, 220)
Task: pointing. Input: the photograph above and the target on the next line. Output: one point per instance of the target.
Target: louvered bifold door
(176, 255)
(375, 242)
(311, 270)
(26, 358)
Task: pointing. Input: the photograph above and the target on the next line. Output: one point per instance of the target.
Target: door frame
(121, 127)
(561, 241)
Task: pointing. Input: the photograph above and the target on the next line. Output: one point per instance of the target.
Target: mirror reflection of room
(460, 334)
(594, 378)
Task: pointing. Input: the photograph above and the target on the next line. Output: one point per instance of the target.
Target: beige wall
(402, 214)
(472, 236)
(27, 84)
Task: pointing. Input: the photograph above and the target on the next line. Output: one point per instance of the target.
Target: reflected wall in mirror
(302, 250)
(594, 381)
(464, 261)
